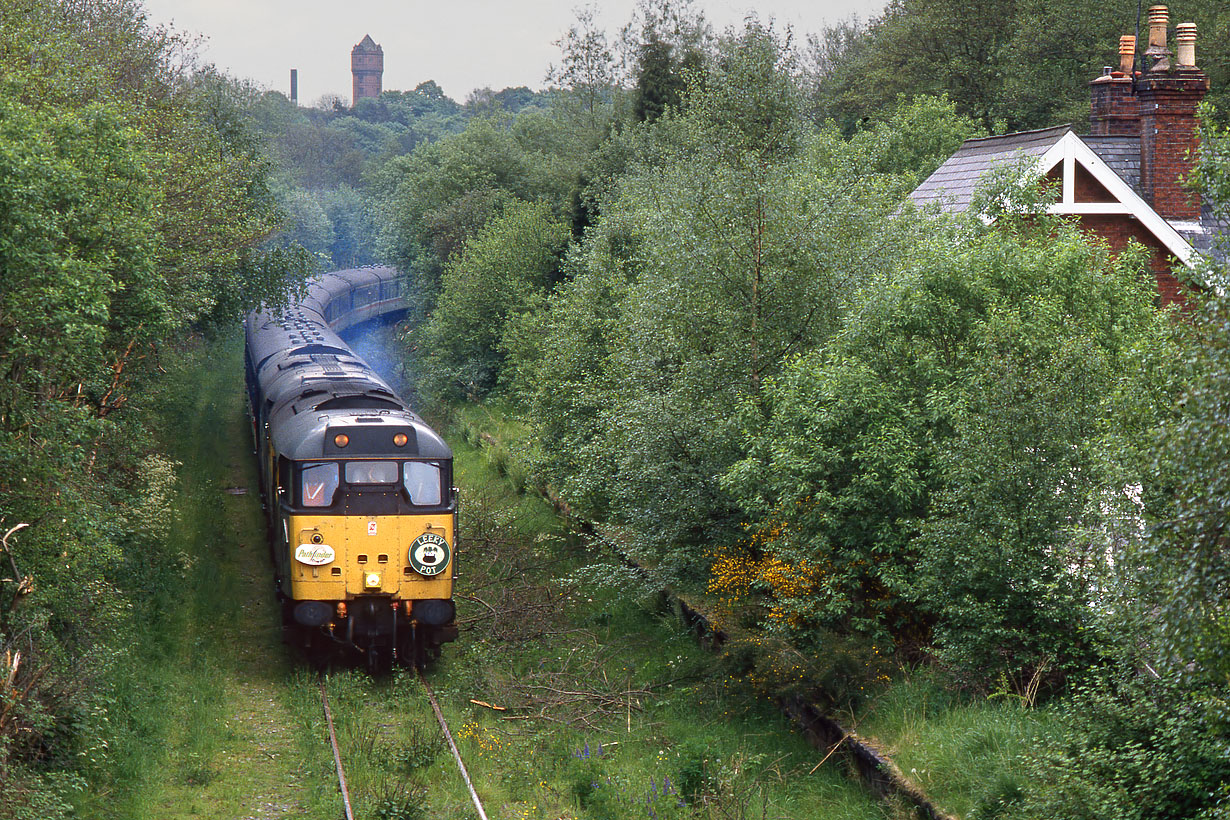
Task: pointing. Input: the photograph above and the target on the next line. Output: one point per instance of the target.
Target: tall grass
(965, 752)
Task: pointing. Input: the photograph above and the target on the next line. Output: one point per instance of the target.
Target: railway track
(337, 754)
(448, 735)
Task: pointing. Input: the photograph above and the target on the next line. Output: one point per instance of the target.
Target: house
(1125, 180)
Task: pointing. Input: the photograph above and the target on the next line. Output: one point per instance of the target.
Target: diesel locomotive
(358, 488)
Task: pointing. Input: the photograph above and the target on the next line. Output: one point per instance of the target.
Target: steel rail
(337, 755)
(465, 775)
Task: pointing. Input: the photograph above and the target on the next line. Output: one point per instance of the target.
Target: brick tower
(367, 67)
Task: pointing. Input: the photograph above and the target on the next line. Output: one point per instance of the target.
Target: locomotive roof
(307, 435)
(296, 329)
(312, 384)
(315, 389)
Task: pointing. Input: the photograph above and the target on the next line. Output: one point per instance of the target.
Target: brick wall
(367, 70)
(1168, 140)
(1118, 230)
(1113, 108)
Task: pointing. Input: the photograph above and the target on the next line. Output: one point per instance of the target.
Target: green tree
(586, 70)
(434, 199)
(665, 42)
(730, 244)
(938, 467)
(915, 137)
(309, 226)
(1008, 65)
(500, 273)
(354, 232)
(417, 190)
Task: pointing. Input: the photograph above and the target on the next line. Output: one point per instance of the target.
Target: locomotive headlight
(400, 439)
(341, 439)
(372, 580)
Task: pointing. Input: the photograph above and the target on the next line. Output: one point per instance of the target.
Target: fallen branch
(488, 705)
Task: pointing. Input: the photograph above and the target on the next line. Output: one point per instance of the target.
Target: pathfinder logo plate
(314, 555)
(429, 554)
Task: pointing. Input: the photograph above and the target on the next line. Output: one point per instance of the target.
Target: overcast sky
(461, 44)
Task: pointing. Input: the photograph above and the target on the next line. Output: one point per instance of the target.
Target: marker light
(341, 439)
(400, 439)
(372, 581)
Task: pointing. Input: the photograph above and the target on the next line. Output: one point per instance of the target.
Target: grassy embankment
(210, 733)
(609, 709)
(963, 751)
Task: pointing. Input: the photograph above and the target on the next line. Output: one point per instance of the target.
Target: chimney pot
(1159, 19)
(1127, 52)
(1113, 107)
(1185, 37)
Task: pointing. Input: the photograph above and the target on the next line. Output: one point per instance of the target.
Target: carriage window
(371, 472)
(319, 483)
(422, 482)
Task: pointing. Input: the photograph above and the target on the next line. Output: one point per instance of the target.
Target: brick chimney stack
(1114, 110)
(1168, 98)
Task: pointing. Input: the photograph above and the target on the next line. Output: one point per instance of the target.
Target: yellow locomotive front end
(369, 548)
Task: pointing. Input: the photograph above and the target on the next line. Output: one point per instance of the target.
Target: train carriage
(362, 509)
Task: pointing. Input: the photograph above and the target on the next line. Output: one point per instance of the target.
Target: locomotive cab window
(318, 484)
(371, 472)
(422, 481)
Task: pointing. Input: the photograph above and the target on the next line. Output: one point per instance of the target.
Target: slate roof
(1121, 155)
(952, 185)
(368, 44)
(1205, 240)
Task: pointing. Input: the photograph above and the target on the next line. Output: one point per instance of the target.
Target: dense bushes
(509, 264)
(1134, 746)
(934, 473)
(131, 201)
